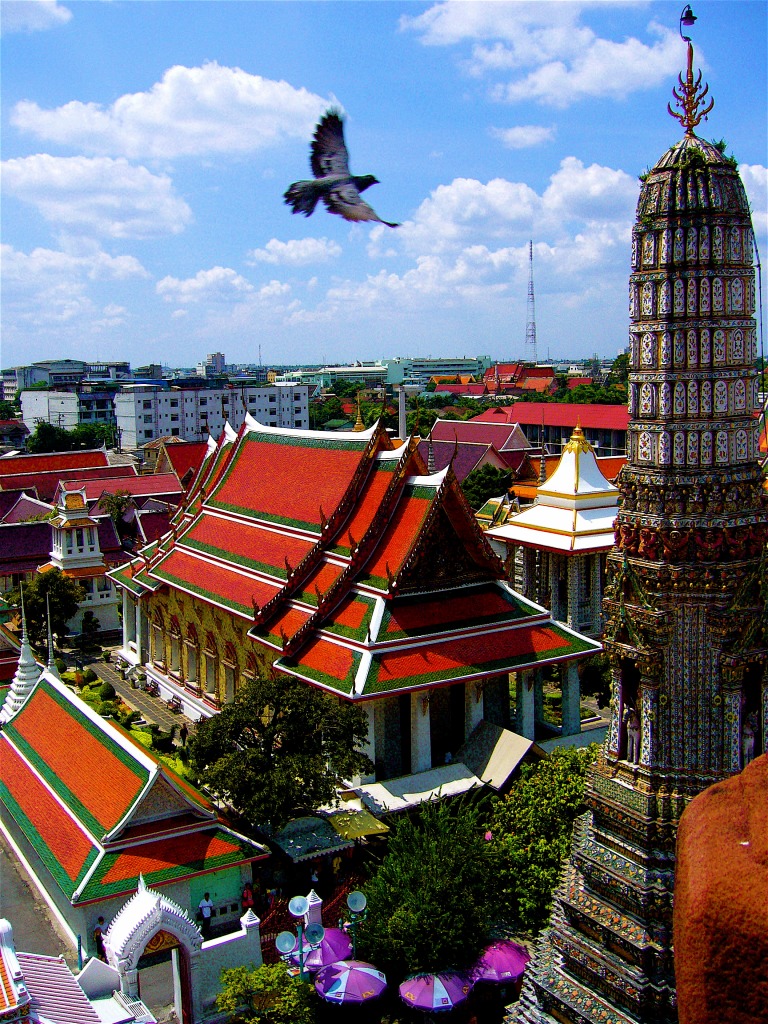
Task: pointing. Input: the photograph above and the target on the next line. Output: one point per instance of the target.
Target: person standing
(247, 898)
(205, 906)
(98, 939)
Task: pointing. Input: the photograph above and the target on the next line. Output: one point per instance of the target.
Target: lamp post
(687, 18)
(357, 904)
(311, 934)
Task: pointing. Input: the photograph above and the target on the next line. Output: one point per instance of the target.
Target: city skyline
(142, 191)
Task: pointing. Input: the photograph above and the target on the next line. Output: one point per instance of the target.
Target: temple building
(341, 560)
(686, 623)
(88, 811)
(559, 543)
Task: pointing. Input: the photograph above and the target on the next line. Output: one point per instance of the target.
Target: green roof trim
(97, 888)
(343, 686)
(67, 885)
(121, 577)
(231, 556)
(350, 632)
(200, 591)
(91, 822)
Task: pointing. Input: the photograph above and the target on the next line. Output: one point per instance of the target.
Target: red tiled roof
(213, 581)
(466, 457)
(500, 435)
(538, 371)
(33, 806)
(138, 486)
(247, 544)
(185, 457)
(12, 465)
(402, 532)
(438, 615)
(577, 382)
(103, 783)
(368, 504)
(269, 478)
(323, 577)
(46, 483)
(559, 414)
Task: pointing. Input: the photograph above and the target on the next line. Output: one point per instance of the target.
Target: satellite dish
(298, 906)
(314, 934)
(357, 902)
(285, 942)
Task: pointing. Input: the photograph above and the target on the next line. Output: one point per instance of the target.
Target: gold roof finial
(359, 425)
(690, 99)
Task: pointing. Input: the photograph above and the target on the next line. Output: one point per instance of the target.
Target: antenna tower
(530, 330)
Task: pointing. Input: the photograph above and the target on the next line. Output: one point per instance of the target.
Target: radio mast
(530, 330)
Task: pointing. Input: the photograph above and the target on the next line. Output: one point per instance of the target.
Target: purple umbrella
(336, 945)
(432, 992)
(502, 961)
(349, 981)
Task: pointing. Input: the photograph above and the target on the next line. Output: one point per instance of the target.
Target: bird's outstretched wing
(329, 152)
(345, 200)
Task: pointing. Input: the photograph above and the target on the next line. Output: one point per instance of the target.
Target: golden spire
(690, 99)
(359, 425)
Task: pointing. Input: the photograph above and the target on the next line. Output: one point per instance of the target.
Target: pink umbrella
(503, 962)
(350, 981)
(432, 992)
(336, 945)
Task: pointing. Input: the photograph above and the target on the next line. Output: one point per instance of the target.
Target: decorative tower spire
(690, 99)
(359, 425)
(686, 632)
(27, 673)
(53, 670)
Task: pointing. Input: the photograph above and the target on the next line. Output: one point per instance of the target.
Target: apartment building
(144, 412)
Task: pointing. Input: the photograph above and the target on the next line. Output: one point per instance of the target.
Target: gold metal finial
(690, 100)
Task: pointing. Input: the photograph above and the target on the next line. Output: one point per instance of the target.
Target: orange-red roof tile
(402, 532)
(247, 544)
(214, 582)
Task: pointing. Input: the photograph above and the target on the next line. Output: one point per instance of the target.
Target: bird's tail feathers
(302, 196)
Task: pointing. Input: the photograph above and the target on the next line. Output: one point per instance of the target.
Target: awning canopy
(309, 837)
(493, 753)
(354, 824)
(411, 790)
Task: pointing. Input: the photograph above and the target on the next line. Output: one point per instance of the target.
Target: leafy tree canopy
(532, 829)
(49, 438)
(65, 596)
(268, 993)
(484, 483)
(431, 902)
(281, 747)
(8, 411)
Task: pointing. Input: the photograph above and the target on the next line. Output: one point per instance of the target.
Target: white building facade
(145, 412)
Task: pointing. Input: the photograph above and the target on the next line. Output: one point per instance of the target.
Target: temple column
(524, 692)
(571, 698)
(473, 707)
(421, 740)
(574, 578)
(538, 695)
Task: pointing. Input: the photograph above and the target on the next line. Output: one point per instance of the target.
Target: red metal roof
(500, 435)
(138, 486)
(186, 457)
(11, 465)
(47, 483)
(559, 414)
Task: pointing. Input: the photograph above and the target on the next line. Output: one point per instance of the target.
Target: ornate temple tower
(685, 604)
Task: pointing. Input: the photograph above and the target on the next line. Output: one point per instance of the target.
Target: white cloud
(544, 51)
(190, 112)
(111, 198)
(523, 136)
(296, 252)
(32, 15)
(219, 284)
(49, 288)
(755, 179)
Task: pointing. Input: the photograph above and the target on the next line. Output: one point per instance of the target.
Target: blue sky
(147, 145)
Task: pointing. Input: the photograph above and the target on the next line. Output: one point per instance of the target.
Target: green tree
(48, 438)
(532, 828)
(8, 411)
(484, 483)
(431, 902)
(89, 629)
(115, 506)
(265, 995)
(65, 595)
(282, 746)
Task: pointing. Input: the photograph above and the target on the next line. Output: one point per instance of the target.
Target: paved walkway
(153, 709)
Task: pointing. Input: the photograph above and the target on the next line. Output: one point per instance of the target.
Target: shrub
(61, 665)
(89, 676)
(107, 691)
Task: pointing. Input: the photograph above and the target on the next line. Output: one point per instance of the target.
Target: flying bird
(333, 183)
